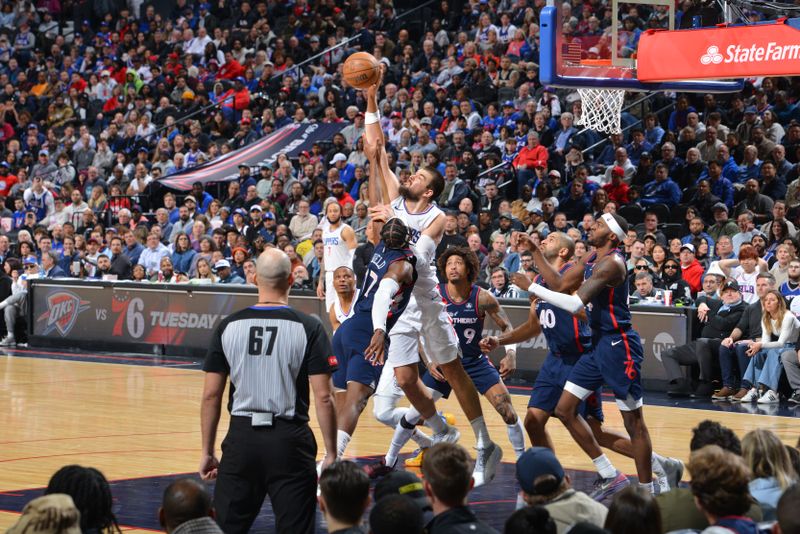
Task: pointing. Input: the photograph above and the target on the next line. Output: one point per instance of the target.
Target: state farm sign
(719, 53)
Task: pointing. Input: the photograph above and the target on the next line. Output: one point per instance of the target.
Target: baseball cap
(43, 153)
(246, 121)
(751, 109)
(540, 163)
(508, 104)
(402, 483)
(269, 215)
(730, 283)
(244, 165)
(5, 164)
(205, 5)
(688, 246)
(222, 264)
(29, 260)
(617, 171)
(537, 211)
(337, 183)
(554, 173)
(255, 207)
(337, 158)
(240, 211)
(506, 215)
(426, 120)
(305, 153)
(719, 206)
(54, 513)
(537, 462)
(188, 95)
(396, 115)
(190, 198)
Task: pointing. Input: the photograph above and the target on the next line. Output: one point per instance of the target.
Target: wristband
(511, 346)
(372, 118)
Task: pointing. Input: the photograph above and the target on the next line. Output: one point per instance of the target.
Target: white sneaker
(486, 464)
(660, 479)
(451, 435)
(770, 397)
(750, 396)
(8, 341)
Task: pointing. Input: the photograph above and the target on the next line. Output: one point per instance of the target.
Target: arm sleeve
(426, 249)
(382, 301)
(319, 353)
(215, 361)
(570, 303)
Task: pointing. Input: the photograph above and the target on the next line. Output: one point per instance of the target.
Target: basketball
(361, 70)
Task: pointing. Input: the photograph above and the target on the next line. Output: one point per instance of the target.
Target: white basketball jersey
(336, 254)
(417, 223)
(341, 315)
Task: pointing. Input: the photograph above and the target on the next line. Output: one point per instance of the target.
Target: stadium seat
(632, 213)
(661, 210)
(673, 230)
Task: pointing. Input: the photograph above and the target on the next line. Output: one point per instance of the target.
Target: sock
(342, 441)
(658, 458)
(516, 435)
(648, 486)
(421, 439)
(481, 433)
(402, 433)
(604, 466)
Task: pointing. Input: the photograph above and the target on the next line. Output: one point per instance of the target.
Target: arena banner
(180, 319)
(768, 49)
(290, 140)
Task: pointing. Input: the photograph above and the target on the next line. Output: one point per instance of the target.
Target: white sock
(436, 423)
(516, 435)
(648, 486)
(604, 466)
(481, 433)
(342, 441)
(399, 439)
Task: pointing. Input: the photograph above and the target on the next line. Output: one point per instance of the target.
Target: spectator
(766, 456)
(633, 511)
(186, 508)
(344, 496)
(531, 519)
(745, 271)
(662, 190)
(788, 520)
(501, 286)
(691, 270)
(222, 269)
(91, 494)
(49, 514)
(396, 514)
(672, 278)
(544, 483)
(446, 470)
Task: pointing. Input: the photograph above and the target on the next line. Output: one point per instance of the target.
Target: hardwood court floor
(134, 421)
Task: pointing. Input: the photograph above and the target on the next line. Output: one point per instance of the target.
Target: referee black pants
(278, 461)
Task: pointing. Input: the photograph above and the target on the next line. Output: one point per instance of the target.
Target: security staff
(271, 353)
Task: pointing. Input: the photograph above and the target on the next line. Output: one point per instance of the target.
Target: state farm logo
(62, 312)
(712, 55)
(755, 53)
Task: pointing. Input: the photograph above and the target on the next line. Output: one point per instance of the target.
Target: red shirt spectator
(691, 269)
(530, 157)
(231, 69)
(7, 181)
(617, 190)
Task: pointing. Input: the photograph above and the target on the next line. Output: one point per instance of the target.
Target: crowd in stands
(747, 486)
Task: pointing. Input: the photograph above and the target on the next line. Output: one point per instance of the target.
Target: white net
(601, 109)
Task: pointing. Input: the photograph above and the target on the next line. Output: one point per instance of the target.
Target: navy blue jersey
(609, 310)
(382, 258)
(788, 293)
(467, 320)
(565, 334)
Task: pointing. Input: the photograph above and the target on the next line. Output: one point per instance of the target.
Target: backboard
(594, 57)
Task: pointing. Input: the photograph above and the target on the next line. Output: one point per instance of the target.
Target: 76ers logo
(63, 309)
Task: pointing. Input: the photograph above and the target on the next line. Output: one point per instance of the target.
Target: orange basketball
(361, 70)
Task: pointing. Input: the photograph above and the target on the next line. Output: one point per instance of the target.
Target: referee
(271, 353)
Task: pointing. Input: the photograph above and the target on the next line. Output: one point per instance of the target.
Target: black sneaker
(796, 397)
(679, 389)
(379, 469)
(704, 391)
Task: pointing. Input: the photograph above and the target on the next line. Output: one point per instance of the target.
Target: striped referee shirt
(269, 352)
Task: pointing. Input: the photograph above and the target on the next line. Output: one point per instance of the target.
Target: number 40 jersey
(565, 334)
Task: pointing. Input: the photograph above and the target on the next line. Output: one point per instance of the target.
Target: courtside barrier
(178, 319)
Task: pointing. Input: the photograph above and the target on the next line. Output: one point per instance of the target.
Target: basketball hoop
(601, 109)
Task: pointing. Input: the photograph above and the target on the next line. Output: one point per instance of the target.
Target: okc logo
(63, 309)
(712, 55)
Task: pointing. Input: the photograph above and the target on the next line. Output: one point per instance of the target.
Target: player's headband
(613, 225)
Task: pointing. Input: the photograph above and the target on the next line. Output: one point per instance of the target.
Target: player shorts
(349, 343)
(481, 370)
(425, 317)
(616, 359)
(549, 386)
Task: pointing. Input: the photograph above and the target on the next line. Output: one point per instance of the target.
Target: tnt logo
(62, 312)
(712, 55)
(662, 343)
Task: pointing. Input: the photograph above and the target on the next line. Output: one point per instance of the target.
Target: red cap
(617, 171)
(245, 121)
(540, 163)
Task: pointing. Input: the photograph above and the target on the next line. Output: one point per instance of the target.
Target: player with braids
(91, 494)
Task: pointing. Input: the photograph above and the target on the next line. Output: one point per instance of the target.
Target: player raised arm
(563, 283)
(377, 193)
(399, 272)
(373, 133)
(488, 304)
(609, 272)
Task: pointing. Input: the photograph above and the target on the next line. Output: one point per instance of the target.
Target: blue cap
(205, 5)
(269, 215)
(537, 462)
(240, 211)
(751, 109)
(29, 260)
(508, 103)
(240, 79)
(5, 164)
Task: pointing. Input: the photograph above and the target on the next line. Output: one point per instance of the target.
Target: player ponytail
(395, 234)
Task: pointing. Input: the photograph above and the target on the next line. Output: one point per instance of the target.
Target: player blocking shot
(359, 342)
(616, 355)
(568, 338)
(425, 316)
